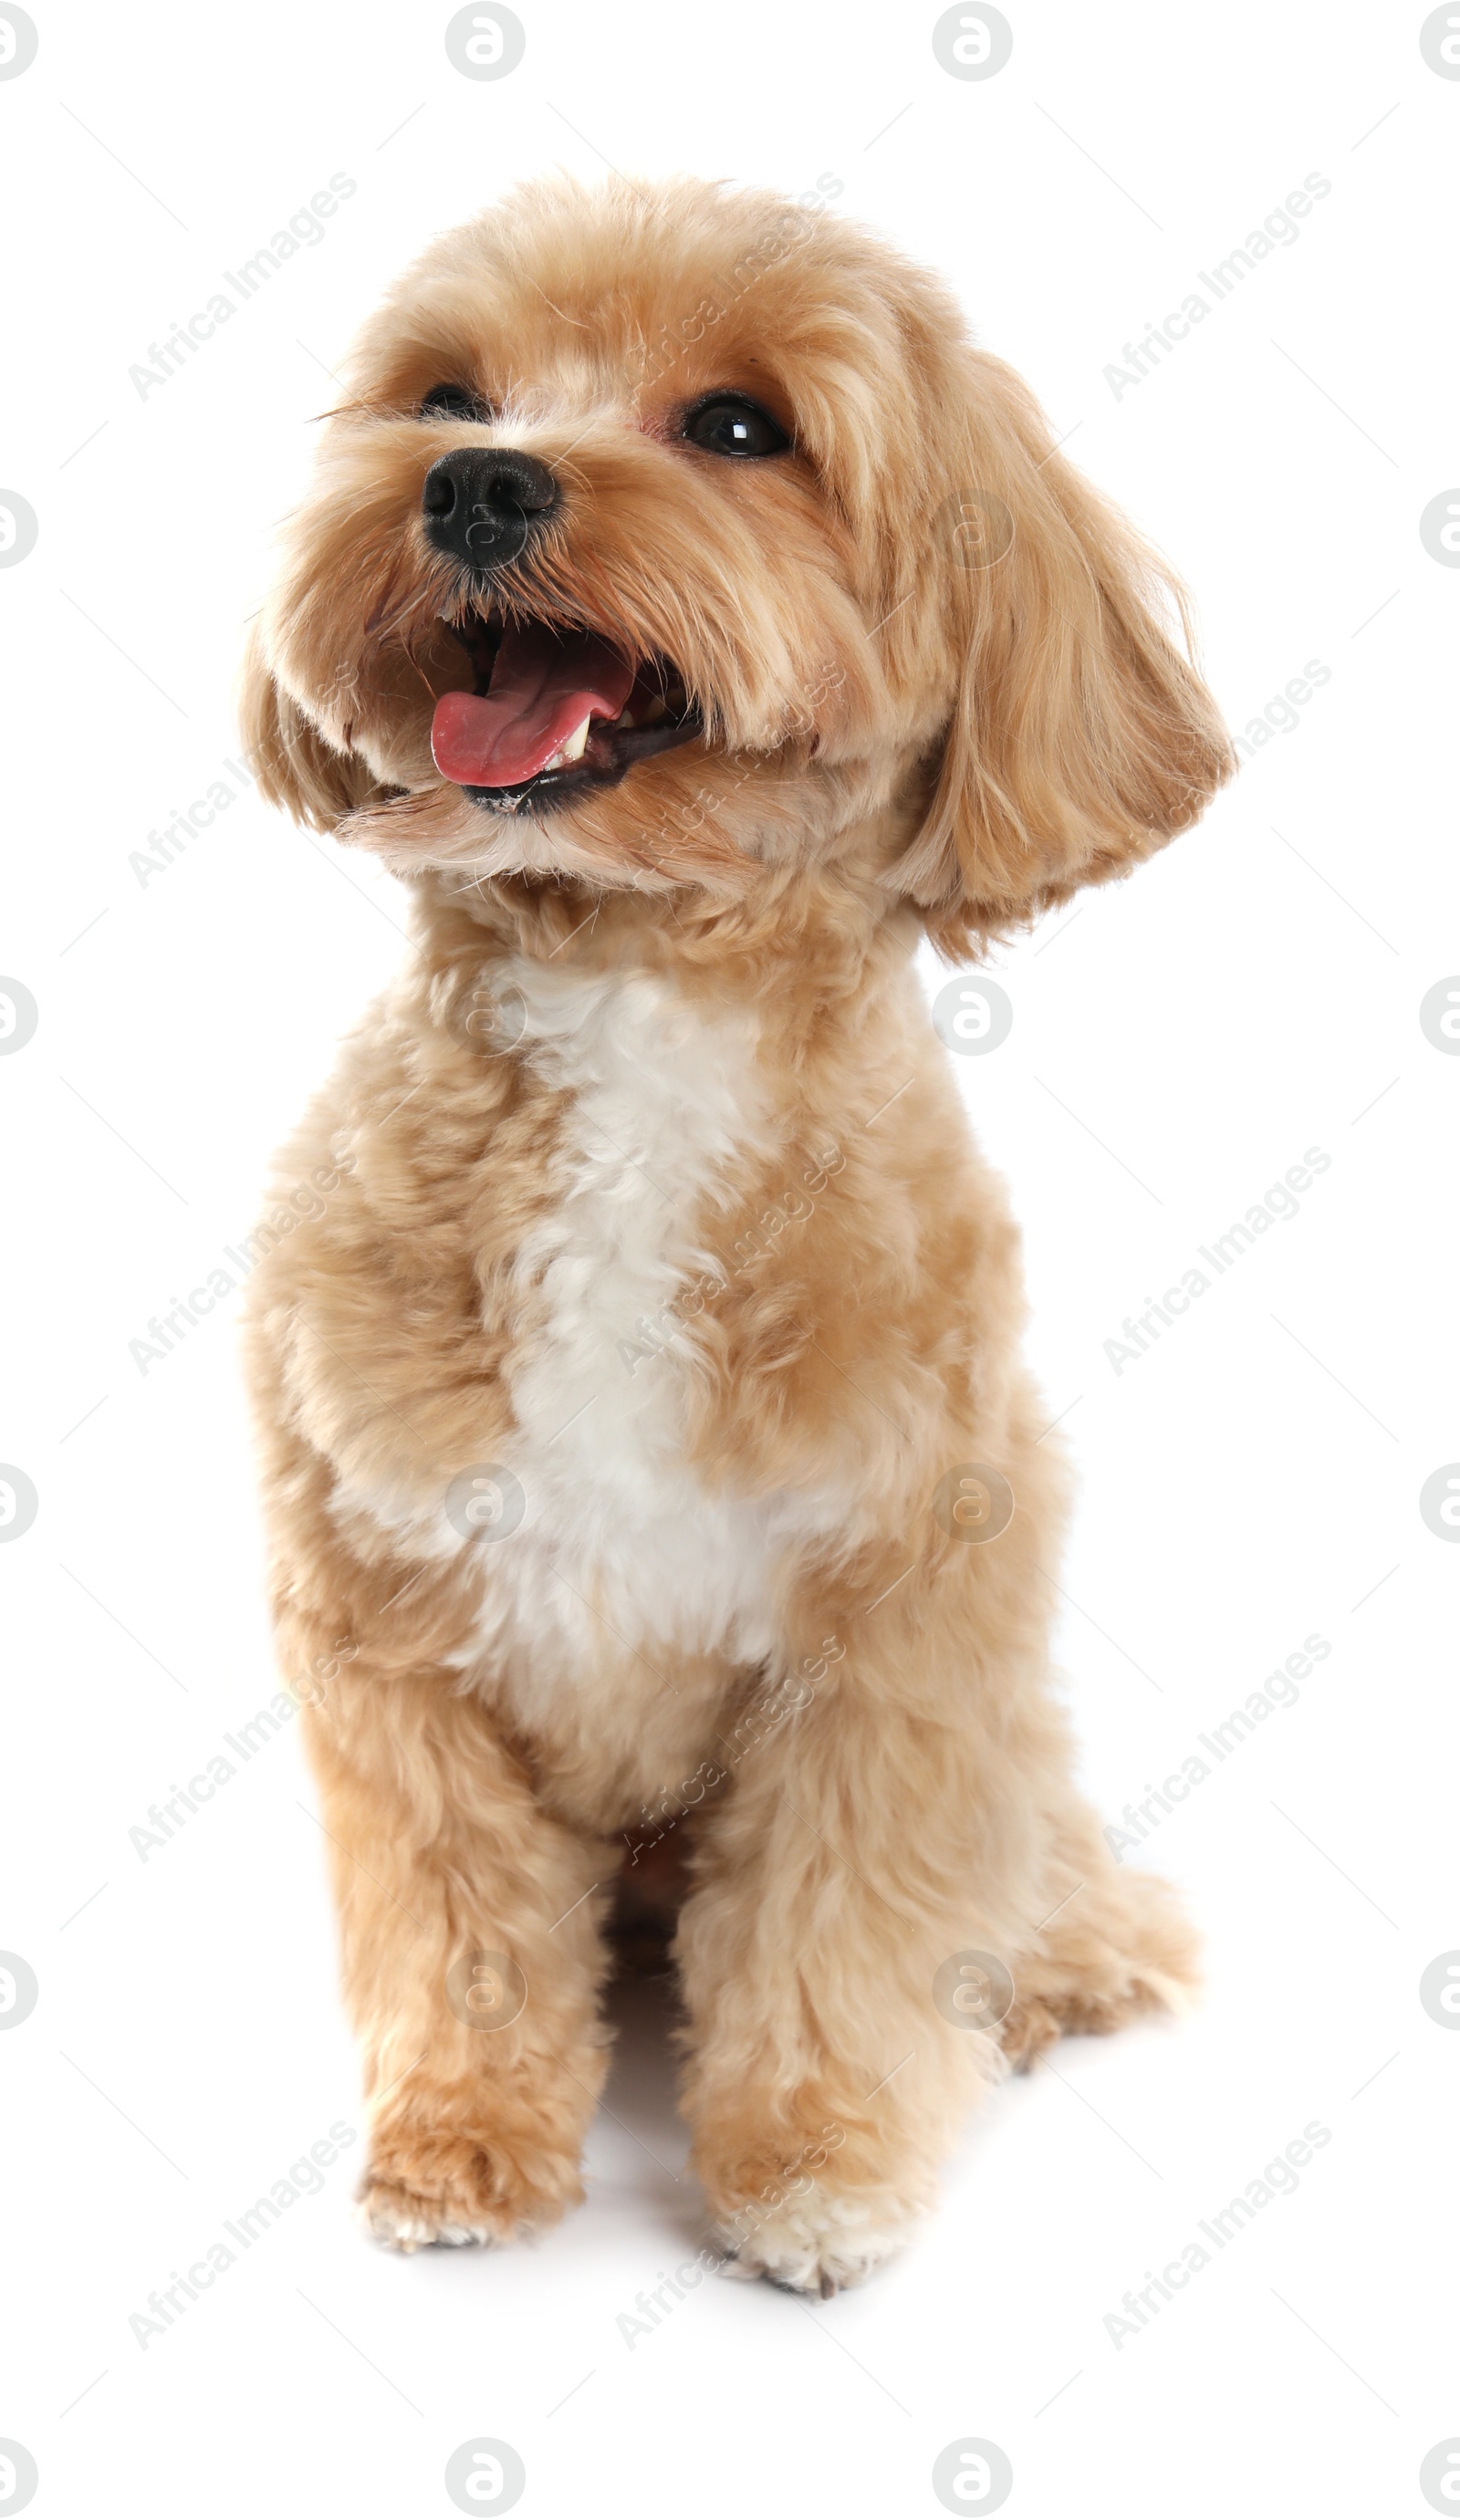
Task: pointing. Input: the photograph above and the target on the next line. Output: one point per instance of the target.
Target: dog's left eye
(452, 402)
(730, 424)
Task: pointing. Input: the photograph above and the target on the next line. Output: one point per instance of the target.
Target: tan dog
(694, 619)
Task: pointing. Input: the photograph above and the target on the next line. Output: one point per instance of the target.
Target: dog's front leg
(869, 1841)
(471, 1961)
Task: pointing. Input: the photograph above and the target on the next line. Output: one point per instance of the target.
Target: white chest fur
(619, 1539)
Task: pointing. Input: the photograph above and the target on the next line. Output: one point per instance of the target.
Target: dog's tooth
(573, 749)
(656, 710)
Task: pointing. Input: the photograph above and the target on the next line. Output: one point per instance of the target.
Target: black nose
(480, 505)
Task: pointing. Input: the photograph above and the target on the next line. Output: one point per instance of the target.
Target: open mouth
(554, 713)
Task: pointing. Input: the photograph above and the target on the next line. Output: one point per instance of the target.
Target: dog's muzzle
(480, 504)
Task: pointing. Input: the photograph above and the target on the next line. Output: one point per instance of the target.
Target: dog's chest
(619, 1539)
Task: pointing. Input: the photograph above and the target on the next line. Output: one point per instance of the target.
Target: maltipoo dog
(696, 620)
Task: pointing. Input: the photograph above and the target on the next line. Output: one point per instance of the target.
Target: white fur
(398, 2228)
(820, 2242)
(620, 1542)
(619, 1539)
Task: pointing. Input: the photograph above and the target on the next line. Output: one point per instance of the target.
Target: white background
(1177, 1044)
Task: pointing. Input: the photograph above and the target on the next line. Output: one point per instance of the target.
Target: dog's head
(670, 532)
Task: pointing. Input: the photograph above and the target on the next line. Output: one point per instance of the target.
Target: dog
(696, 620)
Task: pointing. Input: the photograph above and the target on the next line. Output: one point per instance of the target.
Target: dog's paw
(400, 2218)
(449, 2190)
(817, 2242)
(1121, 1949)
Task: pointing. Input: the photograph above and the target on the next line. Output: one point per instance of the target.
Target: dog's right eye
(730, 423)
(452, 402)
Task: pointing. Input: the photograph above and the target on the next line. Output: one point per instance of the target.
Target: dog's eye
(730, 424)
(452, 402)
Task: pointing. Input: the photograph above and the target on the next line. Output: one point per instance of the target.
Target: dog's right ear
(292, 763)
(1081, 736)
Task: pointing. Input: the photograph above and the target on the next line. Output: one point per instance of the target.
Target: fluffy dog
(694, 619)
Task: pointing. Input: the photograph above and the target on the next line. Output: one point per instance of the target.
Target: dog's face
(670, 533)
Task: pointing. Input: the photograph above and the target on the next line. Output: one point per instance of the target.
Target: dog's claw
(829, 2285)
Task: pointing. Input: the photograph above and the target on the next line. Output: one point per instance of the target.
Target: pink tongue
(542, 687)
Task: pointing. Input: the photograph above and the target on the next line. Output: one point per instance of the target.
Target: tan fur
(894, 740)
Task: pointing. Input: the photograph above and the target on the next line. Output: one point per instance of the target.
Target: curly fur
(705, 1192)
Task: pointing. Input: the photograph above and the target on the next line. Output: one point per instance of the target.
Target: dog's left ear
(294, 764)
(1081, 735)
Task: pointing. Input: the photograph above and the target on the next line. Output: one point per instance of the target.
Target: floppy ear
(292, 763)
(1081, 735)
